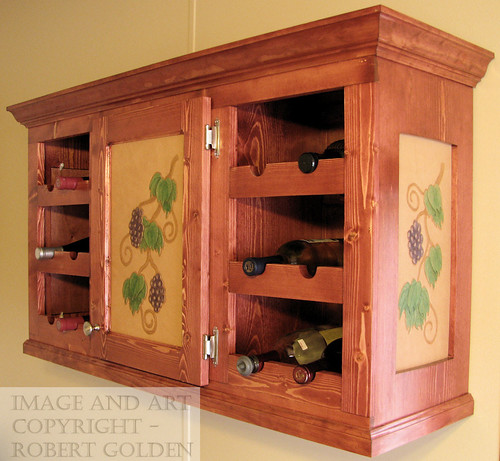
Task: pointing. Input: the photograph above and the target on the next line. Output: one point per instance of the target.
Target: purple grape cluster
(156, 293)
(415, 240)
(136, 227)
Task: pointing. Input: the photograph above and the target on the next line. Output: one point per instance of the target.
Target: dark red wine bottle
(71, 183)
(79, 246)
(308, 161)
(69, 323)
(331, 361)
(312, 253)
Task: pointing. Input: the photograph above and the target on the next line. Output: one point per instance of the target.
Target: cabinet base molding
(357, 436)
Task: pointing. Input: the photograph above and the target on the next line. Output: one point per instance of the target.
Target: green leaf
(433, 204)
(433, 265)
(134, 291)
(153, 237)
(403, 299)
(166, 193)
(153, 184)
(164, 190)
(415, 303)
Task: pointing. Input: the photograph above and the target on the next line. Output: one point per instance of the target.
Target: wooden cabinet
(192, 167)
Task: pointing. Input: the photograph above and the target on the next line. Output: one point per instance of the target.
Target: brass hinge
(211, 346)
(212, 138)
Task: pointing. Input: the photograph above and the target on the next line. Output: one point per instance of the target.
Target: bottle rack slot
(275, 380)
(285, 179)
(48, 196)
(290, 282)
(65, 263)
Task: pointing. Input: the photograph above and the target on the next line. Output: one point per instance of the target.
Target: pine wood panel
(222, 244)
(149, 356)
(63, 263)
(360, 152)
(54, 197)
(99, 214)
(434, 109)
(289, 281)
(297, 82)
(285, 179)
(197, 114)
(184, 364)
(145, 121)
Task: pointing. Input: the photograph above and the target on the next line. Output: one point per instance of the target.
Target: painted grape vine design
(414, 299)
(147, 236)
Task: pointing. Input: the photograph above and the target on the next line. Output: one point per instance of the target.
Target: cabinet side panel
(360, 151)
(99, 231)
(422, 105)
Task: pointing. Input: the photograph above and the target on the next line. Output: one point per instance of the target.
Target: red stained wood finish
(365, 77)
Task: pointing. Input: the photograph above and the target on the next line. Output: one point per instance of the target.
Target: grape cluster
(415, 240)
(136, 227)
(156, 293)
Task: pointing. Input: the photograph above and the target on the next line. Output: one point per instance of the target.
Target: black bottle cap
(308, 162)
(253, 266)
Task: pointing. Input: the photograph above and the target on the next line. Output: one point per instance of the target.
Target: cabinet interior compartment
(277, 132)
(65, 157)
(261, 320)
(65, 224)
(281, 130)
(66, 294)
(63, 282)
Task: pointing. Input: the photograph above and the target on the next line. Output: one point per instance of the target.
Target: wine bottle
(69, 323)
(308, 161)
(331, 361)
(312, 253)
(79, 246)
(71, 183)
(299, 347)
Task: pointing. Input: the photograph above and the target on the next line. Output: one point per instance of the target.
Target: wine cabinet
(187, 167)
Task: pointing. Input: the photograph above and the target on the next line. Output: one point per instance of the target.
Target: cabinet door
(154, 207)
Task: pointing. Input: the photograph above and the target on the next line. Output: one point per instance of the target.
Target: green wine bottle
(299, 347)
(312, 253)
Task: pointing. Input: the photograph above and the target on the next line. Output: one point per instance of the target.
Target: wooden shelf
(62, 263)
(57, 197)
(275, 381)
(285, 179)
(289, 281)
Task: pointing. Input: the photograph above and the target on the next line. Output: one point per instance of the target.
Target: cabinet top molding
(361, 36)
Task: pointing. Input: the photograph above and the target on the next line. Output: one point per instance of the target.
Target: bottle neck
(332, 334)
(256, 266)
